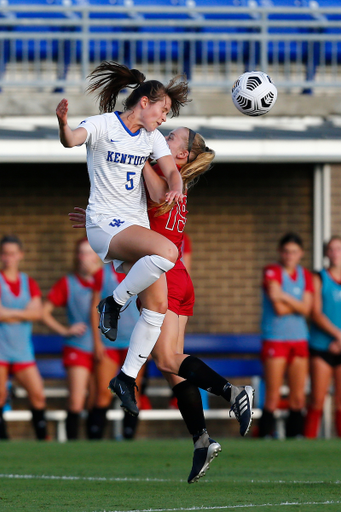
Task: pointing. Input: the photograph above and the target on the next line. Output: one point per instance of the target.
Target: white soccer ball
(254, 93)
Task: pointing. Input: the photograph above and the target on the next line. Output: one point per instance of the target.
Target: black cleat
(202, 458)
(109, 312)
(126, 393)
(241, 405)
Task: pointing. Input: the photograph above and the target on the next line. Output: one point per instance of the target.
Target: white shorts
(100, 230)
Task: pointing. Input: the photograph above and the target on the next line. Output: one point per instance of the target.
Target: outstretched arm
(69, 138)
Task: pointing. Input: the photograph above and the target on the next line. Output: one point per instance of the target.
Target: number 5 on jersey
(130, 183)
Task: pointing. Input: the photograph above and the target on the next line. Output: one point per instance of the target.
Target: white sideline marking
(229, 507)
(87, 478)
(128, 479)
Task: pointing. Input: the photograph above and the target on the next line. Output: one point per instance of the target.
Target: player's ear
(182, 154)
(144, 101)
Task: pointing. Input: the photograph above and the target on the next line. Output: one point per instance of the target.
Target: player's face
(176, 141)
(334, 253)
(154, 114)
(290, 255)
(10, 256)
(87, 259)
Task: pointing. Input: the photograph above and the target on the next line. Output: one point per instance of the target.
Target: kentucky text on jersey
(123, 158)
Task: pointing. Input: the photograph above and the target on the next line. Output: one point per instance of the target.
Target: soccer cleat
(202, 458)
(126, 393)
(241, 405)
(109, 312)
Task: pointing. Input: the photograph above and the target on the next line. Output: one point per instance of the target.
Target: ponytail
(110, 78)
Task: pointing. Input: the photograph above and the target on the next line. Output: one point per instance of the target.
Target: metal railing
(44, 47)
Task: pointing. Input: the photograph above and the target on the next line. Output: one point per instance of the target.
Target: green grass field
(150, 475)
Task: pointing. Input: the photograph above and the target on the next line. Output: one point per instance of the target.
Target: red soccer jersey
(170, 224)
(58, 294)
(14, 286)
(274, 273)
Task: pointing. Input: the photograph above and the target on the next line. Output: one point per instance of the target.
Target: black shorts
(331, 359)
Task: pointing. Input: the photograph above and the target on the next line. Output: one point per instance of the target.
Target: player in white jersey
(118, 145)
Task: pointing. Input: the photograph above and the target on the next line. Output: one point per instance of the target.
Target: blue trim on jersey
(117, 113)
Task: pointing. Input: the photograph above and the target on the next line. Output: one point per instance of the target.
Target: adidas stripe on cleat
(241, 406)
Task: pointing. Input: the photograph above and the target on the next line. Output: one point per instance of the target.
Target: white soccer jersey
(115, 158)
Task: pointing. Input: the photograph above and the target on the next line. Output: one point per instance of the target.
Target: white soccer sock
(142, 274)
(142, 341)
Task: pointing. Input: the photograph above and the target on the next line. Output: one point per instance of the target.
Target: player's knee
(165, 364)
(170, 252)
(297, 403)
(38, 400)
(159, 305)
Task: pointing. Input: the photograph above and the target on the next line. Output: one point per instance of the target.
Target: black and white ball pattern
(254, 93)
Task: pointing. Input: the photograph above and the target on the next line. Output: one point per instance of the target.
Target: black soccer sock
(39, 423)
(198, 373)
(295, 424)
(3, 430)
(96, 422)
(266, 424)
(129, 425)
(190, 406)
(72, 423)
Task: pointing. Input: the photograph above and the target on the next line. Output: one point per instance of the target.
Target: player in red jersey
(186, 373)
(20, 305)
(287, 301)
(74, 292)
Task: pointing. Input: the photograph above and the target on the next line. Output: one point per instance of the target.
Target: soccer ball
(254, 93)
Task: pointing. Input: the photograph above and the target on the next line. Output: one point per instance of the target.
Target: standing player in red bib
(186, 373)
(20, 305)
(287, 301)
(74, 292)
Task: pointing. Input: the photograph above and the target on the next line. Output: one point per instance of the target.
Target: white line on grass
(231, 507)
(128, 479)
(87, 478)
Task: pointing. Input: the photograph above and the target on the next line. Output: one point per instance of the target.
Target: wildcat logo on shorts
(116, 223)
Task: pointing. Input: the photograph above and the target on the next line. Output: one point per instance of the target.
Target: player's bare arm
(275, 294)
(173, 178)
(32, 313)
(76, 329)
(69, 138)
(156, 185)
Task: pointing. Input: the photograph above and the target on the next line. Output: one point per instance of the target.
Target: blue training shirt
(331, 307)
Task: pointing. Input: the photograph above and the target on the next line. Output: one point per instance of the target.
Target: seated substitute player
(109, 357)
(20, 305)
(325, 340)
(192, 158)
(287, 301)
(74, 292)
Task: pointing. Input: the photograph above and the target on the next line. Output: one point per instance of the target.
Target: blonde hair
(201, 158)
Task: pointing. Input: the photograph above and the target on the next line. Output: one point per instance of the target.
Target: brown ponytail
(109, 78)
(200, 161)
